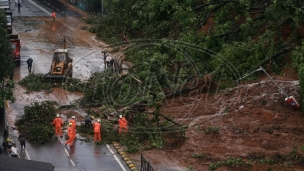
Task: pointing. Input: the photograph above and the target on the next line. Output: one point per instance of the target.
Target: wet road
(83, 156)
(43, 8)
(33, 19)
(33, 30)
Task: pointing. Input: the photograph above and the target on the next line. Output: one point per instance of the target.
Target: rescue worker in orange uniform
(53, 15)
(70, 134)
(73, 126)
(97, 128)
(58, 123)
(122, 124)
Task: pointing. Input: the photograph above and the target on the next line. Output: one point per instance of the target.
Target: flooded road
(40, 37)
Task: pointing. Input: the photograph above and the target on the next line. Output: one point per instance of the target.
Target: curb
(128, 161)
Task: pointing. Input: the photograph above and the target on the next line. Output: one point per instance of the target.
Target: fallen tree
(37, 120)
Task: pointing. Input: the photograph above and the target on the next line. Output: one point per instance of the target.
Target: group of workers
(58, 123)
(109, 62)
(71, 131)
(10, 147)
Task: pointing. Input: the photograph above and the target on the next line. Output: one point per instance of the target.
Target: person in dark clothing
(108, 58)
(29, 64)
(19, 5)
(131, 118)
(0, 150)
(5, 133)
(2, 111)
(112, 64)
(21, 138)
(88, 121)
(7, 144)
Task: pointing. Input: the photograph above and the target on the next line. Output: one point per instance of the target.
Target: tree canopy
(170, 41)
(6, 64)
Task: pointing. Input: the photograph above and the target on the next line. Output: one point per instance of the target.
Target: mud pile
(251, 123)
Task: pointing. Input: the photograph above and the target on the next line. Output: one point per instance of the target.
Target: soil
(252, 119)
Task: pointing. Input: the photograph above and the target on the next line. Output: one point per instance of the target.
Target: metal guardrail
(145, 165)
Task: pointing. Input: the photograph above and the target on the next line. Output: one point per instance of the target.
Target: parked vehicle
(16, 46)
(9, 24)
(5, 5)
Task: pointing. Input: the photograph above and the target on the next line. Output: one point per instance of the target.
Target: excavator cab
(61, 66)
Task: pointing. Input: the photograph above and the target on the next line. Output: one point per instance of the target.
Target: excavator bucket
(55, 77)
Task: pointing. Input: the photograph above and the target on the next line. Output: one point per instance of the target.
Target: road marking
(40, 7)
(60, 140)
(66, 151)
(27, 155)
(72, 162)
(123, 168)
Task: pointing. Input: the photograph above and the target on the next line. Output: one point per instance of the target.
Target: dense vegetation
(171, 41)
(37, 82)
(37, 120)
(6, 64)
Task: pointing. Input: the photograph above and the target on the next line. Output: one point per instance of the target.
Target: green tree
(236, 36)
(6, 64)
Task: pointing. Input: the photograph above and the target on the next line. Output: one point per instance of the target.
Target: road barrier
(145, 165)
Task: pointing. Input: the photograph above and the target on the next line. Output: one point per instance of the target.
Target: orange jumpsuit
(74, 127)
(97, 136)
(122, 124)
(53, 16)
(71, 136)
(58, 123)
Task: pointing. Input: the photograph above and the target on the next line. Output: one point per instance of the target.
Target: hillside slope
(250, 122)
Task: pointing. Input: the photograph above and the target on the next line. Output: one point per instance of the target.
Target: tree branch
(208, 15)
(281, 52)
(282, 23)
(228, 33)
(214, 3)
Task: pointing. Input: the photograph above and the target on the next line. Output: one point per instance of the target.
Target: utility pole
(102, 8)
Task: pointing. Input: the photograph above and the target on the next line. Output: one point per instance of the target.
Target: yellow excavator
(62, 66)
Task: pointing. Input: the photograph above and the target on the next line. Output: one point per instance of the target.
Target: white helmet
(120, 116)
(73, 117)
(57, 115)
(98, 120)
